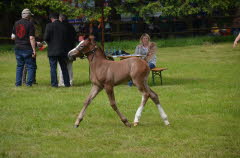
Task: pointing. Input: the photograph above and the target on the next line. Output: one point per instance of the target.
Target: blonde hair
(145, 35)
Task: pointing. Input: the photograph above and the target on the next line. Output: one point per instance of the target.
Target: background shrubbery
(172, 42)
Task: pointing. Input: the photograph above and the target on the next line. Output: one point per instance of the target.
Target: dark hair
(63, 16)
(53, 15)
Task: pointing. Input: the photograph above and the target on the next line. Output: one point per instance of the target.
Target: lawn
(200, 94)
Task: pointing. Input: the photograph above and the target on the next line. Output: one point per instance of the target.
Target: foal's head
(82, 49)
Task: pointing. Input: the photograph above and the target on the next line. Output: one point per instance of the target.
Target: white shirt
(141, 50)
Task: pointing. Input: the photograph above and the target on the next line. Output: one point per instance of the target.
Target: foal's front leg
(94, 91)
(110, 93)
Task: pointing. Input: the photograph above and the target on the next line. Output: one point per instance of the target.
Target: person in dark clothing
(24, 35)
(70, 42)
(55, 36)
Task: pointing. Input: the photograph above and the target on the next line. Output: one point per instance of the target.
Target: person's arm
(151, 52)
(236, 40)
(13, 35)
(137, 51)
(32, 39)
(33, 44)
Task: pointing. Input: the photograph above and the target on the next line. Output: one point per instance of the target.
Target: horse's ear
(91, 37)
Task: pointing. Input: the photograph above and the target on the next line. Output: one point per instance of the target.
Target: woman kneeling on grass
(148, 50)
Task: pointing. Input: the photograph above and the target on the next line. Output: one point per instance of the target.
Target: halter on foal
(105, 74)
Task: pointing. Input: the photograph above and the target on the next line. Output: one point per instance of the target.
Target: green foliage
(12, 6)
(172, 42)
(176, 7)
(141, 8)
(44, 7)
(1, 5)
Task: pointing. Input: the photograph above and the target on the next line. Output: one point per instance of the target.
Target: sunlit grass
(200, 94)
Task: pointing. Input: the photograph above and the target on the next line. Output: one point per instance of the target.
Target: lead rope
(92, 52)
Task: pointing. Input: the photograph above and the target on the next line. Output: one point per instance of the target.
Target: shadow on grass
(177, 81)
(167, 81)
(75, 84)
(82, 83)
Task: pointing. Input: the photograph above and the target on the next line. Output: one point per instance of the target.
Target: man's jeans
(53, 70)
(151, 65)
(25, 73)
(24, 57)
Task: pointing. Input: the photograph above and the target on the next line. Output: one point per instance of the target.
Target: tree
(142, 8)
(176, 8)
(44, 7)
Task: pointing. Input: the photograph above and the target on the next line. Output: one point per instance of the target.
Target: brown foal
(106, 74)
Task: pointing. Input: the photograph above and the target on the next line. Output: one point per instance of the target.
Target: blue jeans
(25, 72)
(24, 57)
(151, 65)
(53, 70)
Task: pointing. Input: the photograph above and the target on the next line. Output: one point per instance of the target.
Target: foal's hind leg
(141, 85)
(155, 99)
(94, 91)
(110, 93)
(145, 97)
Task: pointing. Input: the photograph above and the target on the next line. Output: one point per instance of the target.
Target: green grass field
(200, 94)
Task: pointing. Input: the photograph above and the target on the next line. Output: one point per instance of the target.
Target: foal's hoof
(166, 122)
(76, 126)
(135, 124)
(128, 124)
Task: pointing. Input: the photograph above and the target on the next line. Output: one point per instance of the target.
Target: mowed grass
(200, 94)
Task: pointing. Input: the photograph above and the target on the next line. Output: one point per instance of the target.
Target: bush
(172, 42)
(4, 48)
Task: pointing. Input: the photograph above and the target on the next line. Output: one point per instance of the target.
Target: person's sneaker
(61, 85)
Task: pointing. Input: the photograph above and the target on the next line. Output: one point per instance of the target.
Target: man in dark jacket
(69, 45)
(25, 51)
(55, 36)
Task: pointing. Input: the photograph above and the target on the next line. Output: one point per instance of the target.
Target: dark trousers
(53, 70)
(24, 57)
(25, 73)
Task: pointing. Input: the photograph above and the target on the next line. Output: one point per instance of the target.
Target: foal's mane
(100, 49)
